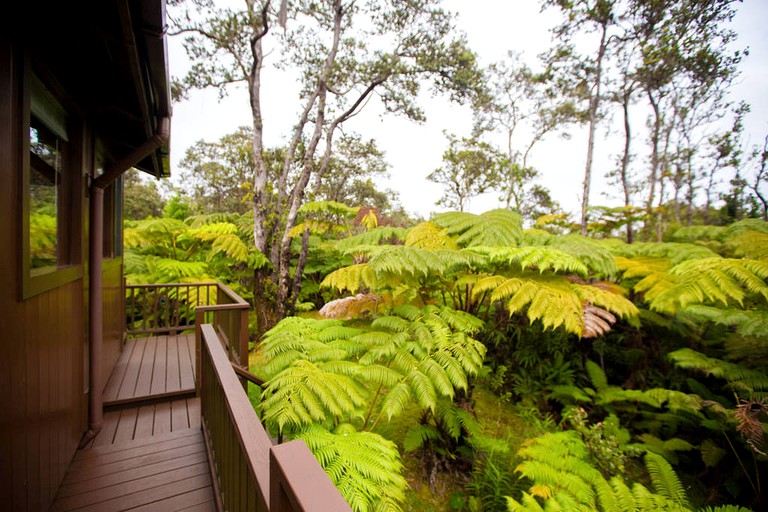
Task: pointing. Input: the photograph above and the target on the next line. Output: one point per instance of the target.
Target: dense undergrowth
(468, 364)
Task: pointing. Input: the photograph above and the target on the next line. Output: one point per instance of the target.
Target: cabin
(103, 410)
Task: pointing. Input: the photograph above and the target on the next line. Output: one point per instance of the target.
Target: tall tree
(586, 16)
(344, 52)
(142, 198)
(520, 103)
(471, 167)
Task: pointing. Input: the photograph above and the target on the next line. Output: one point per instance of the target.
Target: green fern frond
(535, 258)
(590, 252)
(419, 436)
(676, 253)
(642, 266)
(751, 245)
(747, 322)
(498, 228)
(351, 279)
(208, 232)
(429, 235)
(365, 467)
(329, 208)
(231, 245)
(665, 481)
(737, 376)
(710, 280)
(740, 227)
(371, 237)
(306, 393)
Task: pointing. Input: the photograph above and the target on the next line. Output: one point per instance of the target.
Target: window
(51, 202)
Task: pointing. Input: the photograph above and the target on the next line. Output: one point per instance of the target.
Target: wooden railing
(250, 473)
(176, 307)
(165, 308)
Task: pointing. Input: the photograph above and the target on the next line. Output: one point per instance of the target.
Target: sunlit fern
(492, 228)
(412, 355)
(563, 478)
(717, 281)
(364, 467)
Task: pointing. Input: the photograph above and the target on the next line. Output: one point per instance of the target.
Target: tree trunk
(625, 157)
(594, 105)
(653, 174)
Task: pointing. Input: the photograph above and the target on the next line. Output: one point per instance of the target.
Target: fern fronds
(351, 279)
(665, 481)
(747, 322)
(737, 376)
(642, 266)
(365, 467)
(429, 235)
(305, 393)
(535, 258)
(591, 252)
(718, 280)
(371, 237)
(498, 228)
(674, 252)
(751, 245)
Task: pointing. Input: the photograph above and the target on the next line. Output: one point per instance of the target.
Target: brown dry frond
(597, 321)
(750, 427)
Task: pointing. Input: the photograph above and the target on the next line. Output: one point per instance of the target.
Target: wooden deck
(150, 453)
(152, 368)
(162, 473)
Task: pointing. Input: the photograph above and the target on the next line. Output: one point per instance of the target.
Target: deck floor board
(150, 453)
(152, 368)
(161, 473)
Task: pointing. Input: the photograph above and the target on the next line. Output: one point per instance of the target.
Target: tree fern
(591, 252)
(492, 228)
(429, 235)
(365, 467)
(752, 383)
(562, 478)
(747, 322)
(712, 280)
(552, 299)
(751, 245)
(371, 237)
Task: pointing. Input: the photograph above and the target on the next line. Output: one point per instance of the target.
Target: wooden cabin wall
(43, 343)
(114, 318)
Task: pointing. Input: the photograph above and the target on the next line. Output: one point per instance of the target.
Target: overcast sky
(493, 27)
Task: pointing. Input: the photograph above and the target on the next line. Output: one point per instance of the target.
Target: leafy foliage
(364, 466)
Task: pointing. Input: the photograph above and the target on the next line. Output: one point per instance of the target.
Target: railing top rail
(251, 434)
(232, 295)
(174, 285)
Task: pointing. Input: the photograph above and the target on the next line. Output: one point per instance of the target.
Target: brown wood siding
(114, 322)
(42, 349)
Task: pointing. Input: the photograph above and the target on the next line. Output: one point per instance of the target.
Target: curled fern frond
(749, 425)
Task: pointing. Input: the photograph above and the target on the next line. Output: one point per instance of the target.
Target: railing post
(199, 319)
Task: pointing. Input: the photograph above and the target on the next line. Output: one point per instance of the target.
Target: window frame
(69, 214)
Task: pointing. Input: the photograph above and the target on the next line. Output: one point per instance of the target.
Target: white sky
(493, 27)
